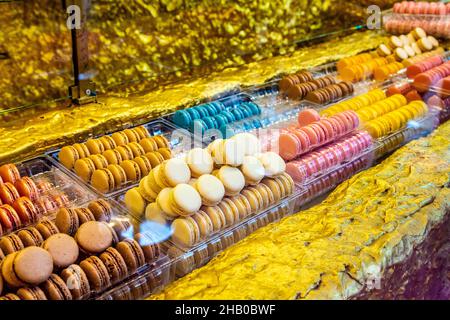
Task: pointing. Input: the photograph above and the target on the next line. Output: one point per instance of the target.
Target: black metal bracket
(83, 90)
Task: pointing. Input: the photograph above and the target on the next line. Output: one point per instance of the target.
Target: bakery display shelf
(180, 141)
(185, 260)
(433, 24)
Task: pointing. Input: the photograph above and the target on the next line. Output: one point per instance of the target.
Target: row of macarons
(314, 131)
(214, 115)
(421, 7)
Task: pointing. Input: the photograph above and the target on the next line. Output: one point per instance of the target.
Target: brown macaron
(30, 237)
(56, 288)
(67, 221)
(11, 243)
(103, 180)
(31, 293)
(76, 281)
(101, 209)
(10, 296)
(96, 273)
(84, 215)
(149, 246)
(115, 264)
(84, 168)
(132, 253)
(94, 237)
(63, 249)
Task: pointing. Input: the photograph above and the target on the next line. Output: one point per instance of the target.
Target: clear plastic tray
(425, 21)
(185, 260)
(56, 187)
(414, 130)
(180, 141)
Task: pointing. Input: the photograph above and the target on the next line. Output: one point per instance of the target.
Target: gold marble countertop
(369, 222)
(55, 128)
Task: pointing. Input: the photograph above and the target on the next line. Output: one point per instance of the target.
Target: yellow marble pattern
(369, 222)
(56, 128)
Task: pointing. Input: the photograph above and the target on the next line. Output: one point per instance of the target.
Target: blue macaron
(254, 107)
(202, 110)
(210, 109)
(210, 122)
(221, 120)
(230, 117)
(246, 111)
(237, 113)
(193, 113)
(182, 118)
(218, 106)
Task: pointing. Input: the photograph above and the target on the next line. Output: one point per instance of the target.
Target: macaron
(11, 243)
(99, 161)
(230, 217)
(273, 164)
(210, 188)
(125, 152)
(307, 116)
(135, 202)
(18, 269)
(95, 146)
(132, 135)
(107, 142)
(149, 144)
(137, 149)
(132, 170)
(68, 156)
(119, 174)
(232, 179)
(10, 297)
(93, 237)
(153, 212)
(31, 293)
(147, 186)
(161, 141)
(166, 153)
(67, 221)
(27, 188)
(101, 209)
(149, 246)
(132, 253)
(199, 161)
(185, 231)
(184, 199)
(142, 132)
(9, 219)
(8, 193)
(176, 171)
(144, 165)
(56, 289)
(113, 156)
(115, 264)
(47, 228)
(103, 180)
(155, 158)
(120, 138)
(84, 215)
(30, 237)
(63, 249)
(216, 216)
(82, 150)
(76, 281)
(26, 210)
(96, 272)
(84, 168)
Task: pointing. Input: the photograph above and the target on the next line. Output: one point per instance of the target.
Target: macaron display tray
(433, 24)
(415, 129)
(184, 260)
(54, 183)
(180, 141)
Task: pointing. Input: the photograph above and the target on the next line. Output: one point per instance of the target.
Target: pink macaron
(307, 116)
